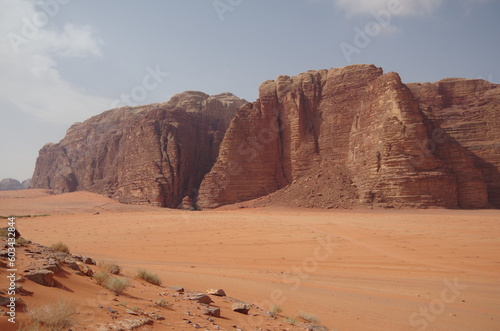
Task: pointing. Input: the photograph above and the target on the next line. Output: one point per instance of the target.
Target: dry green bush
(309, 317)
(117, 285)
(55, 316)
(101, 277)
(60, 247)
(275, 311)
(149, 277)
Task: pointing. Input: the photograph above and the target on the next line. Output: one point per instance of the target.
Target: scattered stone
(218, 292)
(72, 264)
(88, 260)
(43, 277)
(53, 266)
(112, 311)
(84, 269)
(4, 301)
(157, 317)
(131, 312)
(201, 298)
(177, 289)
(212, 311)
(21, 290)
(241, 307)
(61, 256)
(129, 324)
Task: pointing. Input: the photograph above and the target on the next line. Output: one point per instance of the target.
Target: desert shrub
(55, 316)
(101, 277)
(275, 311)
(290, 320)
(163, 303)
(116, 285)
(309, 317)
(60, 247)
(149, 277)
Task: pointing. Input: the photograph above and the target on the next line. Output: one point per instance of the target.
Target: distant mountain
(11, 184)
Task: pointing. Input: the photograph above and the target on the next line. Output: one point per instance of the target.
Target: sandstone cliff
(155, 154)
(383, 142)
(330, 138)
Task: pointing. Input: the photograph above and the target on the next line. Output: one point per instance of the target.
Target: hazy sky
(62, 61)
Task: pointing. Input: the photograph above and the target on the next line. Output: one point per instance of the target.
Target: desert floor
(354, 269)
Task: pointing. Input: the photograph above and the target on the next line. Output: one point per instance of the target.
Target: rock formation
(329, 138)
(384, 143)
(155, 154)
(11, 184)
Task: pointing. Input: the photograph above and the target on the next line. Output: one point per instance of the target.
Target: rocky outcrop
(463, 130)
(386, 141)
(156, 154)
(329, 138)
(43, 277)
(11, 184)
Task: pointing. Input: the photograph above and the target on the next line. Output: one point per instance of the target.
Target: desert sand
(354, 269)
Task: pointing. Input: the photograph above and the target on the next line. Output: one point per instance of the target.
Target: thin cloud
(408, 7)
(29, 49)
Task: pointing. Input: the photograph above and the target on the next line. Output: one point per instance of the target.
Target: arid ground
(354, 269)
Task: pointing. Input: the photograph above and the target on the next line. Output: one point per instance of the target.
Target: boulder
(43, 277)
(212, 311)
(201, 298)
(85, 269)
(177, 289)
(52, 265)
(217, 292)
(241, 307)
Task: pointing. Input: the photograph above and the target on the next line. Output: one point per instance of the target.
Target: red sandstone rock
(155, 154)
(330, 138)
(376, 131)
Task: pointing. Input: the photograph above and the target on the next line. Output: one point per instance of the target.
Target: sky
(63, 61)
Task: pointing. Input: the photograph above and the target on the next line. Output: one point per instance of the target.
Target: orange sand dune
(355, 270)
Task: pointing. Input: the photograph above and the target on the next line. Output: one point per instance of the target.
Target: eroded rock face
(463, 118)
(330, 138)
(388, 140)
(155, 154)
